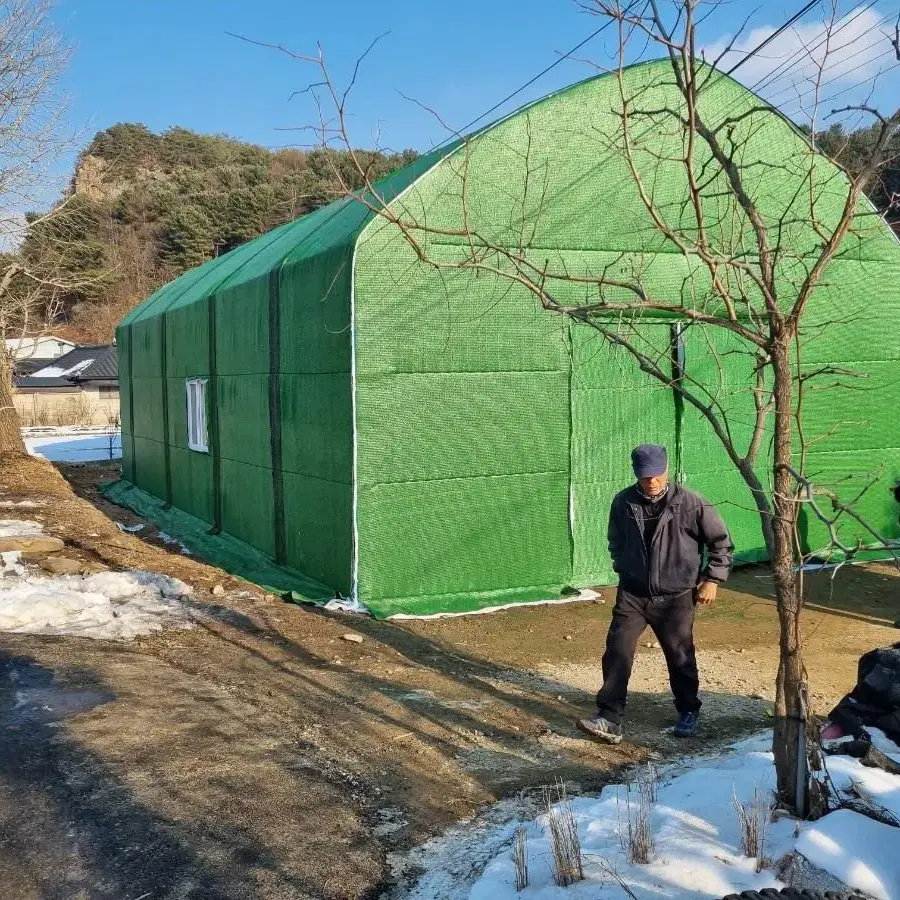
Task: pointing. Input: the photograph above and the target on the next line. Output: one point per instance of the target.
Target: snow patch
(696, 835)
(859, 851)
(11, 563)
(20, 528)
(108, 605)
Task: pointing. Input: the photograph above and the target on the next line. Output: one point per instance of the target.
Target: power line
(769, 79)
(465, 128)
(780, 30)
(791, 101)
(792, 65)
(596, 33)
(851, 87)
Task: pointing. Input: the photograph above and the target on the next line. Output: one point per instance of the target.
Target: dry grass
(609, 869)
(520, 857)
(636, 830)
(562, 830)
(858, 799)
(652, 779)
(753, 820)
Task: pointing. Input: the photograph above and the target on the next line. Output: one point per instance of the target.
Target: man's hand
(706, 593)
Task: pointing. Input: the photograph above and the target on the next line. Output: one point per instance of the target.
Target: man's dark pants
(672, 621)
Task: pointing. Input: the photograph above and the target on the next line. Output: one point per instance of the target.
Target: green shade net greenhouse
(427, 438)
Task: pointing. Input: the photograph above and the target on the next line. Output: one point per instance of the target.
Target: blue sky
(171, 62)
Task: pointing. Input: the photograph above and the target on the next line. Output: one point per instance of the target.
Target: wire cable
(465, 128)
(780, 30)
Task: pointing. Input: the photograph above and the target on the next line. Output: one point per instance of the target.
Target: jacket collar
(674, 495)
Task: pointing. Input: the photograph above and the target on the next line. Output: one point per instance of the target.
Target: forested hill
(145, 207)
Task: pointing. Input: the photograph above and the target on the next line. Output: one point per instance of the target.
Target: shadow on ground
(869, 593)
(259, 768)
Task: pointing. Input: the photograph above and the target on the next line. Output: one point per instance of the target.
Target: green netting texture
(222, 550)
(269, 326)
(614, 408)
(553, 179)
(489, 434)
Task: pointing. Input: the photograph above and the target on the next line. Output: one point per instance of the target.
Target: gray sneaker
(601, 728)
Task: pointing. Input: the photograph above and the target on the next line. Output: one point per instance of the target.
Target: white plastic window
(196, 414)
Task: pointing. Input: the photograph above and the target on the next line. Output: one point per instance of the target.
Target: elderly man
(659, 534)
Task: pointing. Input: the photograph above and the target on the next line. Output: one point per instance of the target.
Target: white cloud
(852, 51)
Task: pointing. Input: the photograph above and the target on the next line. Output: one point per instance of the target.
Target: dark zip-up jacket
(689, 529)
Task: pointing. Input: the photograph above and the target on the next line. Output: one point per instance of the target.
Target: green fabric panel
(122, 344)
(148, 408)
(319, 528)
(247, 504)
(242, 330)
(474, 535)
(591, 501)
(855, 412)
(177, 399)
(315, 334)
(244, 434)
(457, 381)
(412, 319)
(720, 362)
(146, 349)
(221, 550)
(149, 464)
(192, 482)
(614, 408)
(428, 426)
(128, 459)
(187, 342)
(317, 412)
(847, 474)
(317, 426)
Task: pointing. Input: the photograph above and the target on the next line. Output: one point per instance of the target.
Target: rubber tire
(793, 894)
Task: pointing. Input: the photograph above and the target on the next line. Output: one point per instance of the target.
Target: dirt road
(262, 755)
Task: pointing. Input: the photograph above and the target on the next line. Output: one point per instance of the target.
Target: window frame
(197, 418)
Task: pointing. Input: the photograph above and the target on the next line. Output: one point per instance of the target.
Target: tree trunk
(763, 506)
(790, 729)
(10, 433)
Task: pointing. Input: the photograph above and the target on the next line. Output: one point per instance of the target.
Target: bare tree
(32, 137)
(753, 266)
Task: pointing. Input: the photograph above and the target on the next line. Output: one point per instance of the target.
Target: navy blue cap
(649, 460)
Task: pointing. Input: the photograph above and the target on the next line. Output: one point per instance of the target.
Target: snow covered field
(73, 444)
(696, 839)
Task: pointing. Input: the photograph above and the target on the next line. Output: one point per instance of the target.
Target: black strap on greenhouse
(132, 455)
(676, 338)
(164, 376)
(275, 410)
(213, 408)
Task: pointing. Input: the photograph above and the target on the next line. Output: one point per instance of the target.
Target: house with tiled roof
(80, 387)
